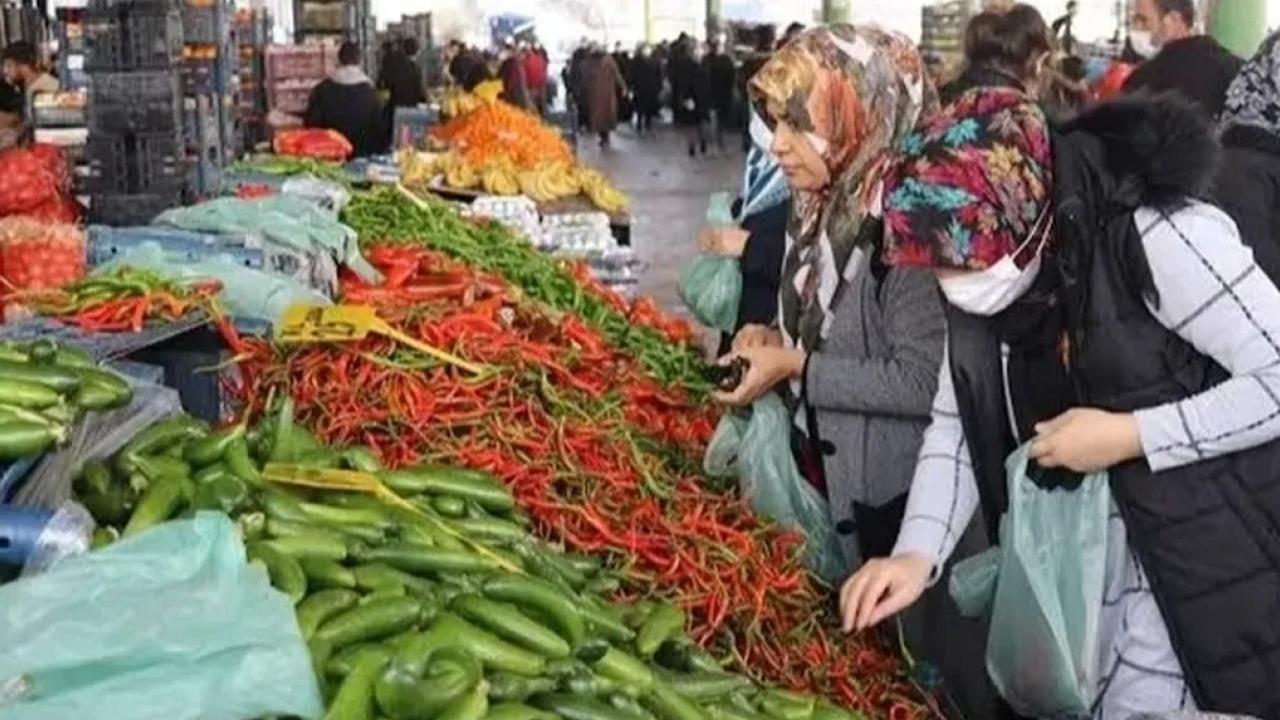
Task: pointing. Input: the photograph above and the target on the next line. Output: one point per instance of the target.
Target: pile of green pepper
(444, 607)
(387, 217)
(44, 388)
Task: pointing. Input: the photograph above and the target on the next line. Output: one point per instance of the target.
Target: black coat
(1197, 67)
(690, 90)
(353, 110)
(646, 84)
(762, 265)
(723, 77)
(1205, 532)
(401, 77)
(1248, 189)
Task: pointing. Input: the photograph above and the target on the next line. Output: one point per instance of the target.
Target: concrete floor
(669, 192)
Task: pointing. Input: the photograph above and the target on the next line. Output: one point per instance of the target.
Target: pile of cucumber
(442, 607)
(44, 388)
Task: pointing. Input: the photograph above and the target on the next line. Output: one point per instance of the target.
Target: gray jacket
(871, 384)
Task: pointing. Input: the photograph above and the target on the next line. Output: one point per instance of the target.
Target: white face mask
(989, 292)
(1144, 43)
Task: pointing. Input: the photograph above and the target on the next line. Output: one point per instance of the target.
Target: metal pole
(713, 18)
(834, 11)
(648, 21)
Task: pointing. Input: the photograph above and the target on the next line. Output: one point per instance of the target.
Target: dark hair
(1011, 40)
(794, 28)
(21, 52)
(1185, 8)
(349, 54)
(765, 37)
(410, 46)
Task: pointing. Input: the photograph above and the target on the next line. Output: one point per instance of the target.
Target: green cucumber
(427, 560)
(22, 439)
(321, 606)
(59, 379)
(479, 487)
(354, 700)
(509, 623)
(311, 546)
(326, 574)
(449, 630)
(373, 621)
(285, 572)
(541, 597)
(571, 707)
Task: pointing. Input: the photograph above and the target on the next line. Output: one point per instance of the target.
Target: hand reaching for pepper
(768, 366)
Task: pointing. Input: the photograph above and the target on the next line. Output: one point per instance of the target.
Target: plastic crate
(105, 244)
(124, 102)
(204, 25)
(299, 62)
(208, 76)
(103, 346)
(290, 99)
(130, 209)
(132, 37)
(137, 163)
(20, 530)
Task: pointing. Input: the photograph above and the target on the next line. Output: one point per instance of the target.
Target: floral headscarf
(854, 92)
(1254, 96)
(971, 183)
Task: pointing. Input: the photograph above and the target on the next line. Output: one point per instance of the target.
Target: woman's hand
(726, 241)
(768, 367)
(1086, 440)
(882, 587)
(753, 336)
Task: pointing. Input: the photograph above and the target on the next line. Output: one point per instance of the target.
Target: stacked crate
(292, 71)
(338, 21)
(135, 150)
(210, 87)
(252, 31)
(943, 27)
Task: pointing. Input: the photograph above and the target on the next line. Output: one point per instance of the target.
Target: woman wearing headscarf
(1099, 313)
(855, 346)
(1248, 184)
(760, 238)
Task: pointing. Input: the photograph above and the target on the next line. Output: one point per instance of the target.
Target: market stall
(470, 467)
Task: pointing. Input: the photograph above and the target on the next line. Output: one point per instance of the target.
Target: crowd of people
(936, 278)
(350, 102)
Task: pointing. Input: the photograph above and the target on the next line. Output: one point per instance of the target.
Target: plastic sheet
(246, 293)
(758, 448)
(95, 436)
(172, 624)
(1046, 599)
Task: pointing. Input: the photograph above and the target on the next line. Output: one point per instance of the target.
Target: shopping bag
(1045, 584)
(712, 284)
(172, 623)
(758, 448)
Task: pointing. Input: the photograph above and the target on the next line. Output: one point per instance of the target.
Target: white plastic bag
(1046, 598)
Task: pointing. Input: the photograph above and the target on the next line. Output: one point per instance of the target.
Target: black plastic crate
(120, 210)
(205, 25)
(145, 101)
(132, 37)
(137, 163)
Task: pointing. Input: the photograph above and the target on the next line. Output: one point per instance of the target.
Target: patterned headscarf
(1254, 96)
(854, 92)
(970, 184)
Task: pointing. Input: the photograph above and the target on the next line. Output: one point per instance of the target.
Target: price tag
(327, 323)
(349, 323)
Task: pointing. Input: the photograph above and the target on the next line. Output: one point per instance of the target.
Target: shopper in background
(691, 96)
(1135, 336)
(401, 77)
(10, 115)
(1178, 57)
(1003, 49)
(625, 63)
(760, 238)
(1248, 184)
(723, 78)
(515, 86)
(646, 88)
(791, 33)
(22, 69)
(467, 66)
(535, 75)
(603, 85)
(766, 36)
(347, 102)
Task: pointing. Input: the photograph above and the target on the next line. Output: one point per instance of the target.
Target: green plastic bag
(171, 624)
(711, 287)
(1044, 586)
(757, 447)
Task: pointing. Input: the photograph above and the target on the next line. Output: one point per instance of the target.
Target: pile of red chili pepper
(585, 440)
(122, 301)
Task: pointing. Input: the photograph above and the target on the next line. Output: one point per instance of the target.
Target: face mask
(1144, 43)
(990, 291)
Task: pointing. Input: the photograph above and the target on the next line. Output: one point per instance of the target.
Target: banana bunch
(500, 178)
(600, 191)
(459, 102)
(417, 168)
(458, 173)
(548, 182)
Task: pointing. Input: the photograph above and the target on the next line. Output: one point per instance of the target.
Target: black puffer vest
(1208, 534)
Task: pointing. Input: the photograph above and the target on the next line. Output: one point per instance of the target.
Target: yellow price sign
(349, 323)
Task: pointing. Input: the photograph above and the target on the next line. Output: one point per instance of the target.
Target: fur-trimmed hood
(1142, 150)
